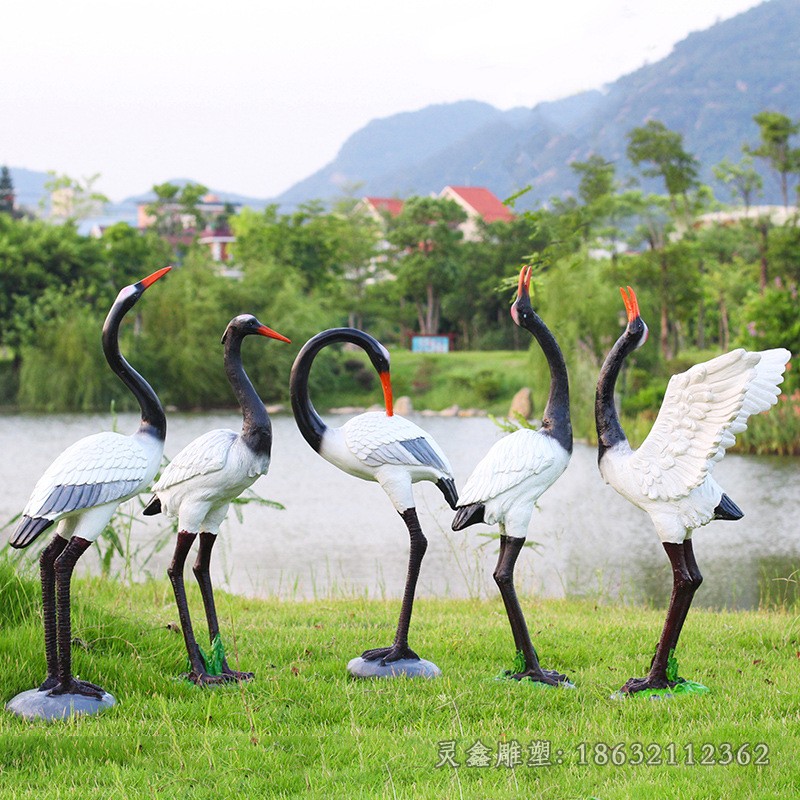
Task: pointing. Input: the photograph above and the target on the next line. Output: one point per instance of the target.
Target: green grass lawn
(302, 728)
(479, 379)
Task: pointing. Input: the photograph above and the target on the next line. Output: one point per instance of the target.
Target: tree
(662, 149)
(776, 129)
(175, 208)
(6, 192)
(35, 256)
(427, 250)
(323, 247)
(742, 180)
(596, 178)
(477, 303)
(73, 199)
(130, 253)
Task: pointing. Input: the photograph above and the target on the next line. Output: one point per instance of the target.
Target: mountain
(381, 152)
(708, 89)
(28, 186)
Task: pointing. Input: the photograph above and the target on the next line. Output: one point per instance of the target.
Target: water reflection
(341, 536)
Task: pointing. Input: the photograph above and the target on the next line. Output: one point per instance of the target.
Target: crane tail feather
(468, 515)
(727, 509)
(447, 486)
(28, 530)
(153, 507)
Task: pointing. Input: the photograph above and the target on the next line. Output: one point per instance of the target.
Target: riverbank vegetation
(302, 727)
(707, 282)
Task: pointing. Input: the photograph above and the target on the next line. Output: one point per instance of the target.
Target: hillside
(708, 88)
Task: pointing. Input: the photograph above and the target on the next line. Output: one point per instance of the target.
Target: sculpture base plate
(681, 688)
(409, 667)
(36, 704)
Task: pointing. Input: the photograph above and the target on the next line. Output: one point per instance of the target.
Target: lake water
(340, 536)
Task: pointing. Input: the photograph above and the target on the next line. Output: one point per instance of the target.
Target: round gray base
(35, 704)
(410, 667)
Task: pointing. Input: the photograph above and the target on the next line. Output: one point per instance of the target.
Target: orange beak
(151, 279)
(386, 382)
(524, 281)
(631, 303)
(265, 331)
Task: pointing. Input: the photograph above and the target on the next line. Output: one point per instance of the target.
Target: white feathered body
(512, 476)
(390, 450)
(670, 475)
(82, 488)
(198, 485)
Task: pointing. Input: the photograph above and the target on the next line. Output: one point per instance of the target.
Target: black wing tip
(153, 507)
(468, 515)
(727, 509)
(447, 486)
(28, 531)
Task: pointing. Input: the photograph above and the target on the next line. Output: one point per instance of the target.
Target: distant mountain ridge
(29, 190)
(708, 89)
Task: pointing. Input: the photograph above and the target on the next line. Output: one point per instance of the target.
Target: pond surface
(340, 536)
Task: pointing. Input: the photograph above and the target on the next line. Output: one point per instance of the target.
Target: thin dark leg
(175, 573)
(510, 548)
(64, 566)
(203, 574)
(400, 648)
(48, 575)
(686, 579)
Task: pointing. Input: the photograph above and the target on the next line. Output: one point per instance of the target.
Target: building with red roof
(377, 207)
(480, 204)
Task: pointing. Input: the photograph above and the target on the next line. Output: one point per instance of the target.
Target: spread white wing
(377, 440)
(206, 454)
(703, 410)
(98, 469)
(516, 458)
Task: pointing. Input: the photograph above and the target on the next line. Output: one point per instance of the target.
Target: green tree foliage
(596, 178)
(6, 192)
(426, 254)
(661, 151)
(35, 256)
(772, 319)
(176, 209)
(476, 304)
(62, 365)
(130, 253)
(775, 130)
(73, 199)
(321, 247)
(743, 181)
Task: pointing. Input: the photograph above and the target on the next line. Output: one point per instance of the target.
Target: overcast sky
(251, 97)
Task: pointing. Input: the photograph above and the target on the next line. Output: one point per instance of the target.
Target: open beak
(151, 279)
(523, 292)
(523, 288)
(631, 304)
(265, 331)
(386, 382)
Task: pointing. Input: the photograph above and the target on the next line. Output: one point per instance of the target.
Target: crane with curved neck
(388, 449)
(309, 422)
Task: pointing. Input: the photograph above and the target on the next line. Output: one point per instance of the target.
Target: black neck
(256, 425)
(153, 419)
(308, 420)
(555, 419)
(609, 429)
